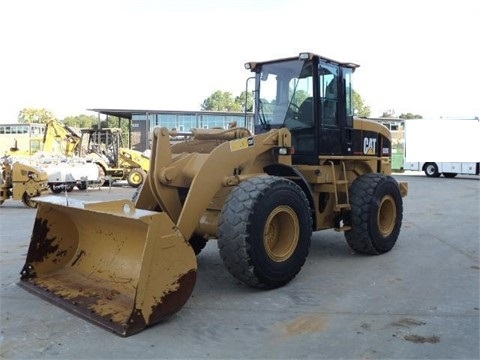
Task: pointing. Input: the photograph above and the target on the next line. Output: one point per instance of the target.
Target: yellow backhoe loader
(116, 162)
(60, 139)
(308, 166)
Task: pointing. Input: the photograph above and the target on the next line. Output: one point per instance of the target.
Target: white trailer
(64, 176)
(442, 146)
(64, 173)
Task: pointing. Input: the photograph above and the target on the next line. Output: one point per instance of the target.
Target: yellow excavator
(308, 166)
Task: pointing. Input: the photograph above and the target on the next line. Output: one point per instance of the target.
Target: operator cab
(312, 97)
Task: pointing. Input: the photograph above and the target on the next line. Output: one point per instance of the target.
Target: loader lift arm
(213, 171)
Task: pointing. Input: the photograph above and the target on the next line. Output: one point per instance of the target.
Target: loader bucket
(117, 266)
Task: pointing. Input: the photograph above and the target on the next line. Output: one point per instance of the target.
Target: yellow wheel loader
(21, 182)
(308, 166)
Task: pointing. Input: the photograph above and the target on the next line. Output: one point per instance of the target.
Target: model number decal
(369, 146)
(240, 144)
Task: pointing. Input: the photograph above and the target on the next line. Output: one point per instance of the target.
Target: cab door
(330, 141)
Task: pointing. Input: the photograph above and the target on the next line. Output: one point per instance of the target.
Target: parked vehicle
(21, 182)
(104, 147)
(308, 166)
(442, 146)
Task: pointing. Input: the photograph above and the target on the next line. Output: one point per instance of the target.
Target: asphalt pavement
(419, 301)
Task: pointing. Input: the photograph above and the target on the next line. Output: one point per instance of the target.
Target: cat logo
(369, 146)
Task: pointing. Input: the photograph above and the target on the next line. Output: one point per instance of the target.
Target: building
(142, 122)
(27, 137)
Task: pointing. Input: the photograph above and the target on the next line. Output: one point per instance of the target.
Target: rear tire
(431, 170)
(101, 175)
(450, 175)
(376, 214)
(265, 230)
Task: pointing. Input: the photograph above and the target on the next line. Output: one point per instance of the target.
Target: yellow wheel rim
(387, 215)
(136, 178)
(281, 233)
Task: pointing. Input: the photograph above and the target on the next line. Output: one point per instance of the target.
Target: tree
(80, 121)
(221, 101)
(240, 100)
(117, 122)
(31, 115)
(410, 116)
(388, 114)
(299, 97)
(359, 107)
(224, 101)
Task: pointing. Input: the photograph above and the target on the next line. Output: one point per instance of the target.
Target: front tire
(265, 230)
(376, 214)
(136, 177)
(431, 170)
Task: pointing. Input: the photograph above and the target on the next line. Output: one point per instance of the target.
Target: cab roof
(302, 56)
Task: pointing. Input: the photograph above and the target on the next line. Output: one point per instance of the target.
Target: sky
(415, 56)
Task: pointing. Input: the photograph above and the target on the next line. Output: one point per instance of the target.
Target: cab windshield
(285, 92)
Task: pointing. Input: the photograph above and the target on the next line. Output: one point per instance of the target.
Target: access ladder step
(343, 228)
(339, 207)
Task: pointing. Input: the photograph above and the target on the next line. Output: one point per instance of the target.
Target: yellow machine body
(127, 264)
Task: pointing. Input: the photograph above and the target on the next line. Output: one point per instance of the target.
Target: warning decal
(240, 144)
